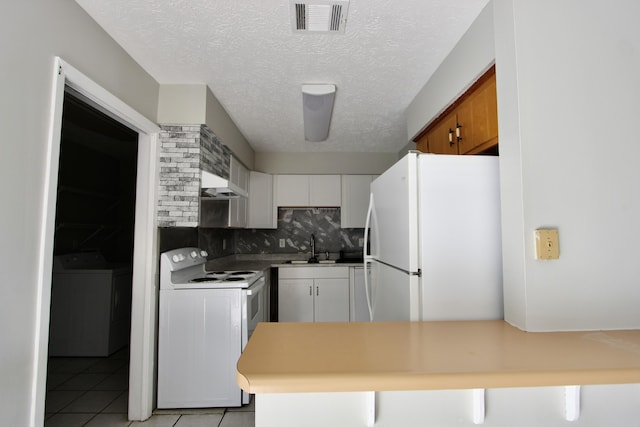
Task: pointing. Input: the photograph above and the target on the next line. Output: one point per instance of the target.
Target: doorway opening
(67, 79)
(91, 283)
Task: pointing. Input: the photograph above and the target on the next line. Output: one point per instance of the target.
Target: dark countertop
(265, 261)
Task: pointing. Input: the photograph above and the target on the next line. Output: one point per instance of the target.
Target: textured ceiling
(248, 55)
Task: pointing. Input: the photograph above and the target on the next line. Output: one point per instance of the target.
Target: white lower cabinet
(331, 300)
(607, 404)
(313, 294)
(295, 300)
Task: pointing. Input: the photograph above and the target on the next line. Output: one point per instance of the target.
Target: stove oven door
(254, 309)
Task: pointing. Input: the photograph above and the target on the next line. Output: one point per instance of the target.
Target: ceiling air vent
(319, 16)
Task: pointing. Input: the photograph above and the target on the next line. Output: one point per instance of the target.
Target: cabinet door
(238, 212)
(331, 300)
(295, 300)
(422, 144)
(238, 174)
(464, 134)
(292, 190)
(324, 190)
(441, 139)
(478, 115)
(260, 212)
(471, 126)
(485, 114)
(355, 200)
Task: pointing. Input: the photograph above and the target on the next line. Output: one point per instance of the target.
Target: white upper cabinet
(260, 210)
(239, 175)
(292, 190)
(308, 190)
(355, 200)
(324, 190)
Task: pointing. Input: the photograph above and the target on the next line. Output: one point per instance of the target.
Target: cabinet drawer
(313, 272)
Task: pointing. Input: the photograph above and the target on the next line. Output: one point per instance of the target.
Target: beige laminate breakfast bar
(439, 373)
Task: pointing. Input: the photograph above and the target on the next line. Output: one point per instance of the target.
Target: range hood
(216, 187)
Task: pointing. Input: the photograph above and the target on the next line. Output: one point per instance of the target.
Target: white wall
(472, 56)
(196, 104)
(33, 32)
(226, 130)
(324, 163)
(568, 98)
(182, 104)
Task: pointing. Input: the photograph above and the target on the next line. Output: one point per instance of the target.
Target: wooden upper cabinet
(469, 125)
(479, 112)
(441, 139)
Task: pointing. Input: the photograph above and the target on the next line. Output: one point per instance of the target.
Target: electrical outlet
(282, 243)
(361, 242)
(547, 246)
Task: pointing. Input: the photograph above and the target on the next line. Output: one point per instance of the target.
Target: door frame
(145, 252)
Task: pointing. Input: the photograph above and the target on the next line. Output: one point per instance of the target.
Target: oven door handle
(256, 287)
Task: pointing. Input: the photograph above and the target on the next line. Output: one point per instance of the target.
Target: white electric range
(205, 321)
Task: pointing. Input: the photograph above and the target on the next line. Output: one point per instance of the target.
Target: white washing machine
(90, 306)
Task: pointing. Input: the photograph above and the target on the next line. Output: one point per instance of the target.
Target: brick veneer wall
(185, 150)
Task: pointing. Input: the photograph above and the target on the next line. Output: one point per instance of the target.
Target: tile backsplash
(295, 227)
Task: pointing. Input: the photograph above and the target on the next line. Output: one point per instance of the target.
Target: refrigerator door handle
(410, 273)
(367, 292)
(367, 258)
(367, 224)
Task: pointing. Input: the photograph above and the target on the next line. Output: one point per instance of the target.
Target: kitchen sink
(350, 260)
(316, 261)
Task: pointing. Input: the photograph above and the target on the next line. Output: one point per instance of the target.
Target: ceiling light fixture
(317, 106)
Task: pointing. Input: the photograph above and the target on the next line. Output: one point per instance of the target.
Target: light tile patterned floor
(92, 392)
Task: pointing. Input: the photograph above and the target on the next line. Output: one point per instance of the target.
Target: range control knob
(204, 254)
(175, 258)
(194, 254)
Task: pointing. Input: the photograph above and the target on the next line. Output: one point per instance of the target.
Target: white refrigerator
(433, 240)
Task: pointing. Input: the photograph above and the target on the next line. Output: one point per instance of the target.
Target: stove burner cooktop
(224, 276)
(185, 268)
(205, 279)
